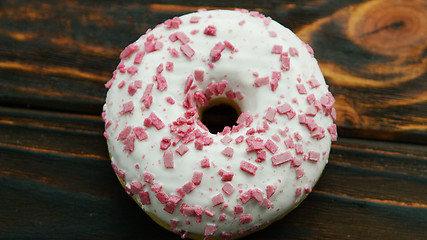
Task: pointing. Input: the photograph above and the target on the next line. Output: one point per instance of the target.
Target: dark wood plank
(63, 189)
(58, 55)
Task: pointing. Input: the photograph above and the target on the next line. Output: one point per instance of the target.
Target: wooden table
(55, 176)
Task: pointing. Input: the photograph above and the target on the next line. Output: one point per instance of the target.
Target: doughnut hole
(219, 113)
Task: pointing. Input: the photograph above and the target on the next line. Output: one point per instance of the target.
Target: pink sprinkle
(296, 162)
(300, 173)
(238, 209)
(140, 133)
(215, 53)
(187, 51)
(261, 156)
(181, 150)
(310, 50)
(267, 21)
(182, 37)
(228, 152)
(173, 52)
(121, 67)
(333, 131)
(132, 70)
(121, 84)
(201, 98)
(298, 149)
(168, 159)
(272, 34)
(199, 75)
(313, 82)
(245, 218)
(156, 188)
(200, 124)
(170, 100)
(165, 143)
(284, 108)
(242, 22)
(148, 178)
(188, 187)
(210, 30)
(173, 37)
(169, 207)
(144, 198)
(205, 163)
(246, 196)
(188, 83)
(128, 51)
(135, 187)
(285, 62)
(261, 81)
(209, 213)
(226, 176)
(313, 156)
(189, 101)
(127, 107)
(161, 82)
(180, 192)
(289, 142)
(277, 49)
(124, 133)
(298, 191)
(239, 139)
(230, 46)
(228, 189)
(248, 167)
(169, 66)
(257, 194)
(311, 111)
(174, 199)
(221, 86)
(275, 138)
(162, 197)
(270, 190)
(218, 199)
(226, 139)
(160, 68)
(281, 158)
(138, 58)
(245, 118)
(266, 203)
(301, 89)
(153, 120)
(210, 229)
(307, 189)
(293, 51)
(173, 23)
(222, 217)
(197, 177)
(271, 146)
(271, 113)
(194, 19)
(230, 94)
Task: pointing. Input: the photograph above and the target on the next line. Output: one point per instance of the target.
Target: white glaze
(254, 55)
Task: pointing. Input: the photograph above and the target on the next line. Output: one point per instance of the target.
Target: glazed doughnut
(226, 184)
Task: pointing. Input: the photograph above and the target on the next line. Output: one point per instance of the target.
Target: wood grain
(57, 56)
(67, 189)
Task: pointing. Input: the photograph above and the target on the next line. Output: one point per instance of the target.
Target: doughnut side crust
(241, 179)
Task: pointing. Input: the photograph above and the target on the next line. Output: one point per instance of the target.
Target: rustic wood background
(55, 176)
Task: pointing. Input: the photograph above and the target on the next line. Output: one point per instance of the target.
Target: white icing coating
(254, 37)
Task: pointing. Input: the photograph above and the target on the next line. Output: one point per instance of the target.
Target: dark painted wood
(55, 176)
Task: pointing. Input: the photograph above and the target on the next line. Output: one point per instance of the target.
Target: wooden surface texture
(55, 57)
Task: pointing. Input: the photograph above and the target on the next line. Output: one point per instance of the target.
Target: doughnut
(225, 184)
